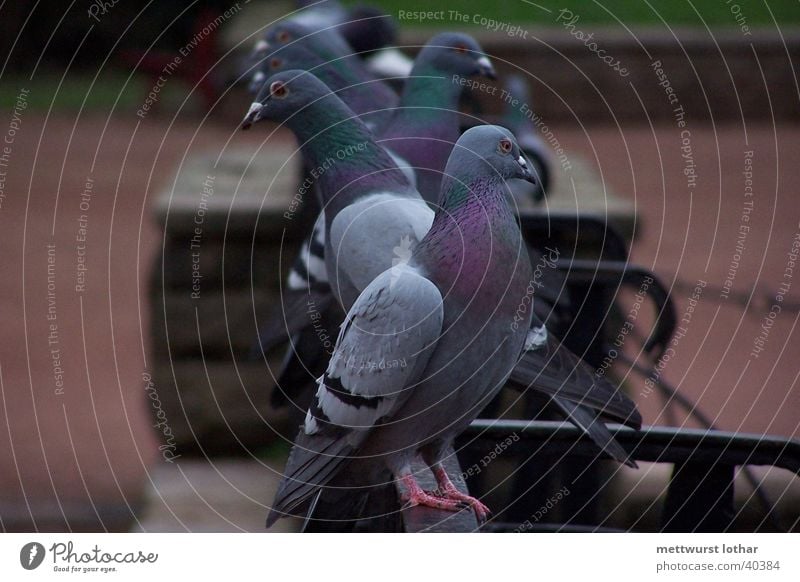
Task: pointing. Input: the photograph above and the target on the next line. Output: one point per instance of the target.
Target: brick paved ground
(85, 449)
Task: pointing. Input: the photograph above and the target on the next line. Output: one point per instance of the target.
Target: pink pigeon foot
(417, 496)
(449, 491)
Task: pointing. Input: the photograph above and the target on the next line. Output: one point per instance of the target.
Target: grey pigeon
(375, 219)
(419, 136)
(369, 31)
(426, 345)
(427, 122)
(358, 180)
(293, 45)
(365, 28)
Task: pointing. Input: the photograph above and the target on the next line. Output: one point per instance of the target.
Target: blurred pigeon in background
(293, 45)
(370, 32)
(365, 28)
(427, 122)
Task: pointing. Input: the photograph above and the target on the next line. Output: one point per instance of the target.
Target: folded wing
(382, 350)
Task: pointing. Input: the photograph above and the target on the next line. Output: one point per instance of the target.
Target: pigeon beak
(261, 47)
(485, 68)
(527, 175)
(253, 115)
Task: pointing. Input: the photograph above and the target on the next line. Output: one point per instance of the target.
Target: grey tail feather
(311, 510)
(314, 460)
(587, 421)
(357, 498)
(555, 371)
(335, 510)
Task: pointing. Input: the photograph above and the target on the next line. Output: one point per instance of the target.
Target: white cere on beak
(522, 162)
(261, 46)
(258, 77)
(485, 62)
(255, 109)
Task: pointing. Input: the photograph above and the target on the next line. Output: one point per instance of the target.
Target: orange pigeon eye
(505, 145)
(284, 36)
(275, 63)
(278, 89)
(460, 48)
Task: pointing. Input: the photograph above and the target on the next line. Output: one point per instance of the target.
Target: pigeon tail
(585, 419)
(312, 463)
(555, 371)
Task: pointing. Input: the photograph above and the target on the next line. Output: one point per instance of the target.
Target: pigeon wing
(383, 347)
(547, 366)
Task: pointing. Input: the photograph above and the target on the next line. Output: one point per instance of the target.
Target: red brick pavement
(85, 449)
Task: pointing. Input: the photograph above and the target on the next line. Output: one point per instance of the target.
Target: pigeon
(365, 28)
(293, 45)
(369, 31)
(423, 127)
(425, 345)
(374, 218)
(426, 124)
(419, 137)
(357, 178)
(518, 117)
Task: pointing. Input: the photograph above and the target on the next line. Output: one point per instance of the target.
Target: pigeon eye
(460, 49)
(284, 36)
(505, 145)
(275, 63)
(278, 89)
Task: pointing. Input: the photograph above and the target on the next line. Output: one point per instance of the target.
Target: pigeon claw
(482, 512)
(428, 499)
(446, 497)
(448, 490)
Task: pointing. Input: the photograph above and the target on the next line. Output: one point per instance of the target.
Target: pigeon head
(291, 56)
(293, 45)
(283, 95)
(277, 37)
(456, 53)
(266, 56)
(488, 151)
(286, 32)
(328, 43)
